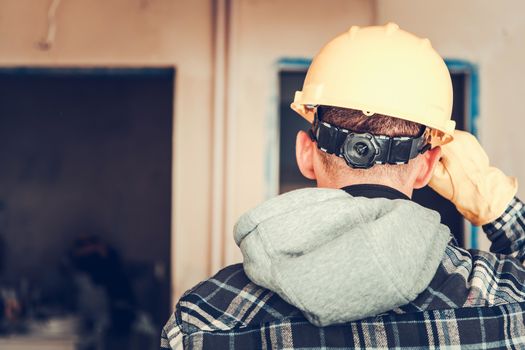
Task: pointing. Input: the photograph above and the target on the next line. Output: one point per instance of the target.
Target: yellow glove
(481, 193)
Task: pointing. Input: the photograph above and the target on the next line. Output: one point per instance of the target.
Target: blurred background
(133, 133)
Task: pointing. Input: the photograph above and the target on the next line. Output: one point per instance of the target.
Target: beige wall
(139, 33)
(492, 36)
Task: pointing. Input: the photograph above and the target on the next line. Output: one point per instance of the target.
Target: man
(355, 263)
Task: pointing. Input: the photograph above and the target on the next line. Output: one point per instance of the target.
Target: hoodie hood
(340, 258)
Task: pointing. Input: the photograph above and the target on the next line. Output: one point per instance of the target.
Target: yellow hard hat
(383, 70)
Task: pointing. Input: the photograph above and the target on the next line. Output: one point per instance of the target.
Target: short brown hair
(377, 124)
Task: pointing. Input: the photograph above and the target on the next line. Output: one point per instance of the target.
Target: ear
(304, 153)
(428, 163)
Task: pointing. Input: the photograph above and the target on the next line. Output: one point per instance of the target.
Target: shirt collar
(374, 191)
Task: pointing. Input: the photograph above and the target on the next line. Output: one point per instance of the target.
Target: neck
(340, 183)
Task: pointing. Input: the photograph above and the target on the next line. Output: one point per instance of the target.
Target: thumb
(441, 181)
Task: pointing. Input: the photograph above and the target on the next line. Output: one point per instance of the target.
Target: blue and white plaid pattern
(507, 233)
(476, 300)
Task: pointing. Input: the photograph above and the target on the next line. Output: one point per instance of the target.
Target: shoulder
(226, 301)
(490, 279)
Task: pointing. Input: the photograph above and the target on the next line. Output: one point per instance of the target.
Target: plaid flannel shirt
(476, 300)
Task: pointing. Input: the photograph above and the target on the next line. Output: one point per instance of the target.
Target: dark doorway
(290, 178)
(85, 173)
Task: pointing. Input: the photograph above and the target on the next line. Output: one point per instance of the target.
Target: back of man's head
(378, 124)
(380, 84)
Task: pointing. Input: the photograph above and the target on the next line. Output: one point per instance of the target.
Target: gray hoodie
(340, 258)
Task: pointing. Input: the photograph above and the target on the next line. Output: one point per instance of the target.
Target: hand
(481, 193)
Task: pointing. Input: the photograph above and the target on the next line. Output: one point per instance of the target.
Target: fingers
(441, 182)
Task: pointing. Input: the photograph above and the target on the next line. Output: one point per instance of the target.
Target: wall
(139, 33)
(491, 37)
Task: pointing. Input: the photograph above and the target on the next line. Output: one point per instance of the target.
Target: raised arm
(507, 233)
